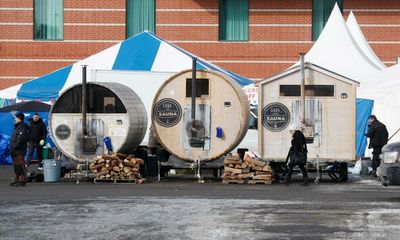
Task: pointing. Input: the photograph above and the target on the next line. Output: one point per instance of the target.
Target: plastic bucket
(51, 170)
(45, 153)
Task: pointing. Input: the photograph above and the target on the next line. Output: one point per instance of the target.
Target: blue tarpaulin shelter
(363, 111)
(7, 124)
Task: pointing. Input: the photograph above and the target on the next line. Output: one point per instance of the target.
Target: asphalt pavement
(185, 209)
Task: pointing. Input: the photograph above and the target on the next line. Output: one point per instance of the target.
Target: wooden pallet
(116, 181)
(266, 182)
(228, 181)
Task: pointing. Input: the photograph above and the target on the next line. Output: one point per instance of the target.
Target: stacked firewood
(249, 170)
(116, 166)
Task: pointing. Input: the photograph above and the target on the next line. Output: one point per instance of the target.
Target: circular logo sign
(167, 112)
(275, 117)
(63, 132)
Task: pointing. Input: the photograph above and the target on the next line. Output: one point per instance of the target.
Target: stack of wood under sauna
(250, 170)
(117, 166)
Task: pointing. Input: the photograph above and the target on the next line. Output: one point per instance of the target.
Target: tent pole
(84, 100)
(302, 86)
(194, 60)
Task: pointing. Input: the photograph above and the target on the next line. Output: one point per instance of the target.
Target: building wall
(278, 32)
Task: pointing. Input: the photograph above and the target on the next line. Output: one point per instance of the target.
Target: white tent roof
(362, 42)
(337, 51)
(384, 88)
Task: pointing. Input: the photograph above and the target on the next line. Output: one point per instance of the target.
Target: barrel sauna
(113, 110)
(221, 115)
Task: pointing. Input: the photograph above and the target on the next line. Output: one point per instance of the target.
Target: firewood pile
(117, 166)
(250, 170)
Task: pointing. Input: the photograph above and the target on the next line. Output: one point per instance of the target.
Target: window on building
(319, 90)
(49, 19)
(321, 10)
(202, 87)
(233, 20)
(289, 90)
(309, 90)
(140, 16)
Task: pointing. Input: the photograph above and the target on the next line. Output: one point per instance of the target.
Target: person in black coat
(298, 148)
(378, 137)
(18, 144)
(38, 134)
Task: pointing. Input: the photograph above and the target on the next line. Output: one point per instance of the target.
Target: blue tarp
(6, 129)
(363, 111)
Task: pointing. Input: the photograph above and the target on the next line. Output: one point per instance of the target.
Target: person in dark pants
(18, 144)
(38, 134)
(298, 147)
(378, 137)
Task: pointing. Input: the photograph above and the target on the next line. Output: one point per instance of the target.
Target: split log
(259, 163)
(116, 169)
(267, 168)
(101, 173)
(139, 161)
(129, 163)
(127, 169)
(262, 177)
(244, 165)
(232, 161)
(97, 166)
(238, 166)
(233, 170)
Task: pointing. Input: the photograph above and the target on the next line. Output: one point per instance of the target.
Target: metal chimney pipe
(302, 89)
(194, 61)
(84, 100)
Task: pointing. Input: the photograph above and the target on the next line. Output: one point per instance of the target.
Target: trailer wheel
(343, 172)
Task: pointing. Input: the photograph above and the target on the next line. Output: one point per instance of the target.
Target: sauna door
(197, 135)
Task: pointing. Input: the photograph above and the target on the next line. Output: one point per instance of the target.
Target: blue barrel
(51, 170)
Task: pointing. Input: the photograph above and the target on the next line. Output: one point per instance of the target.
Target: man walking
(378, 135)
(18, 144)
(38, 134)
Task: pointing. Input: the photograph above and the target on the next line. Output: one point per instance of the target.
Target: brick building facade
(277, 32)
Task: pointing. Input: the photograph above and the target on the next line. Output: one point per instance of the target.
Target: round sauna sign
(275, 117)
(63, 132)
(167, 112)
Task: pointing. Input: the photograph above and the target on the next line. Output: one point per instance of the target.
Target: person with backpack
(18, 145)
(38, 134)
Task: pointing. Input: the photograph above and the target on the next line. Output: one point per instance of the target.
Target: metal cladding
(114, 111)
(221, 115)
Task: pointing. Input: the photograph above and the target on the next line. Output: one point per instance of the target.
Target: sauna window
(320, 90)
(202, 87)
(100, 100)
(253, 118)
(289, 90)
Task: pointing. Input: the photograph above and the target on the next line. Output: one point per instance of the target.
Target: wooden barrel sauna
(113, 110)
(221, 116)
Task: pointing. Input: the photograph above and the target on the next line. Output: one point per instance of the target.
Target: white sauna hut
(218, 124)
(322, 102)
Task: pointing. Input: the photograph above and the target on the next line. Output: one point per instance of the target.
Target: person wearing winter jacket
(297, 154)
(378, 137)
(18, 144)
(38, 134)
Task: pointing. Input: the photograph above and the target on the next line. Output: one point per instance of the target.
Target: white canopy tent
(361, 41)
(338, 50)
(384, 88)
